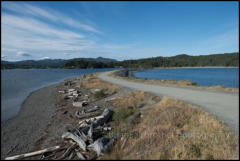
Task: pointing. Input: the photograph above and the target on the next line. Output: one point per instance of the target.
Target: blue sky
(119, 30)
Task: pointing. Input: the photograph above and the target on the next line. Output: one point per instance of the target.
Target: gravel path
(225, 106)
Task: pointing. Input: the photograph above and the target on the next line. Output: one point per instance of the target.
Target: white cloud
(49, 14)
(26, 33)
(36, 27)
(22, 53)
(46, 57)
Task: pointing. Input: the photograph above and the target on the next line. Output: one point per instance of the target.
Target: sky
(118, 30)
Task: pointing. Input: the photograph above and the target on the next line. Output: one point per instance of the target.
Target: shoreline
(28, 126)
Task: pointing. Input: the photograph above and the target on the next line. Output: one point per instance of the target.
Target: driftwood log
(80, 115)
(105, 117)
(90, 132)
(21, 156)
(95, 108)
(80, 104)
(99, 120)
(102, 145)
(133, 118)
(67, 152)
(110, 144)
(75, 138)
(80, 156)
(98, 145)
(81, 135)
(124, 142)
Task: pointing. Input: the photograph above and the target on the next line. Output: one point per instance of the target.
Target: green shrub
(122, 113)
(195, 150)
(100, 94)
(194, 83)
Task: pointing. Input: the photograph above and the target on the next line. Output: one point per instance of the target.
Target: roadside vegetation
(170, 129)
(92, 83)
(100, 94)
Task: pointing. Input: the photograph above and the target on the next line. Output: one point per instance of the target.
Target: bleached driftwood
(97, 146)
(71, 156)
(81, 135)
(90, 119)
(102, 145)
(124, 142)
(101, 128)
(61, 91)
(80, 104)
(82, 115)
(90, 132)
(99, 120)
(105, 116)
(71, 90)
(77, 139)
(21, 156)
(67, 152)
(80, 156)
(95, 108)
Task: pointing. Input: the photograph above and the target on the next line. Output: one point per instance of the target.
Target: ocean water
(17, 84)
(228, 77)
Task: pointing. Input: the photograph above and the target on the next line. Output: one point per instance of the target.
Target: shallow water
(17, 84)
(227, 77)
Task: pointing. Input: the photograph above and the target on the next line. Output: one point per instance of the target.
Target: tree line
(183, 60)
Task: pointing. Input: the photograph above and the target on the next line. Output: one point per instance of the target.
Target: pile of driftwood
(88, 141)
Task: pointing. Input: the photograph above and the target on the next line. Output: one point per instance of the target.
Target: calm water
(203, 76)
(17, 84)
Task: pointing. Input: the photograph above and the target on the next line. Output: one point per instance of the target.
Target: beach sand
(30, 124)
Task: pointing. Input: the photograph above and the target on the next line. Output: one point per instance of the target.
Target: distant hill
(48, 63)
(184, 60)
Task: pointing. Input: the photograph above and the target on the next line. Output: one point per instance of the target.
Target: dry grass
(173, 129)
(92, 83)
(181, 83)
(134, 99)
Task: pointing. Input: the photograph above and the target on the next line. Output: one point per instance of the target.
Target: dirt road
(225, 106)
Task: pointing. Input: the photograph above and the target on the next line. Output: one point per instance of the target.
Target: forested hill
(58, 63)
(183, 60)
